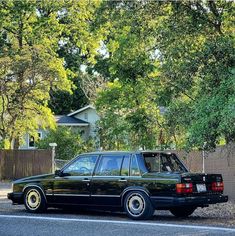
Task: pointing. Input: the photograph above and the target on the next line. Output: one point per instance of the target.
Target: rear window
(161, 162)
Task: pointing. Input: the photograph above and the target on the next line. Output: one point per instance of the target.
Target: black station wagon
(137, 182)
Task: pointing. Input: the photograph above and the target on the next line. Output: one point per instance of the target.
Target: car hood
(35, 177)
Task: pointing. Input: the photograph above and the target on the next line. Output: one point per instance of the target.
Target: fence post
(53, 145)
(203, 157)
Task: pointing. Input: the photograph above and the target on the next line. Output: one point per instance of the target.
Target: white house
(83, 119)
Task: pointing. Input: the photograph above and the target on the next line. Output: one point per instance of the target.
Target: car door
(110, 179)
(73, 185)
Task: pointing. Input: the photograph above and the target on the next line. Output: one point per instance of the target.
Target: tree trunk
(16, 143)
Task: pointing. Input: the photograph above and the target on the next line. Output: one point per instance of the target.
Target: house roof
(80, 110)
(70, 121)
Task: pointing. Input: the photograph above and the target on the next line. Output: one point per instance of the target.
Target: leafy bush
(69, 143)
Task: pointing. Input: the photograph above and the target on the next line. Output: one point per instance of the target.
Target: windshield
(162, 162)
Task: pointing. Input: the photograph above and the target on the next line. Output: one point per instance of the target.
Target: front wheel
(138, 206)
(34, 200)
(182, 211)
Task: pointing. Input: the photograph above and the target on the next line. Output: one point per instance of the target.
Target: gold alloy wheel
(135, 204)
(33, 199)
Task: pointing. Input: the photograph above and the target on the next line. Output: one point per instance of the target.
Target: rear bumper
(168, 202)
(17, 198)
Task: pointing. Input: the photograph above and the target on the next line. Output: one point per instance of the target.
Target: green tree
(192, 45)
(129, 119)
(129, 101)
(31, 34)
(29, 66)
(63, 102)
(197, 69)
(79, 47)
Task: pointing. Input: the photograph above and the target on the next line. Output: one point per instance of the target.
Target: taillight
(184, 188)
(217, 186)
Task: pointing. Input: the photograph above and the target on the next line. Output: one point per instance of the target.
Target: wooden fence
(16, 164)
(222, 161)
(20, 163)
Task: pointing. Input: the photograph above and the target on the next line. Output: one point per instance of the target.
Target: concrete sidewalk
(5, 188)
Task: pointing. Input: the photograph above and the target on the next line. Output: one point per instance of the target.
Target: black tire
(182, 211)
(138, 206)
(34, 200)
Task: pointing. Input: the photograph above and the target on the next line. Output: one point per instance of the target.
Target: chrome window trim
(75, 177)
(110, 176)
(83, 195)
(71, 195)
(160, 179)
(105, 195)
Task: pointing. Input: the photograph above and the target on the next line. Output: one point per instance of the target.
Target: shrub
(69, 143)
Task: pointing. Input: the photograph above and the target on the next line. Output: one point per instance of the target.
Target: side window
(109, 165)
(152, 163)
(134, 167)
(83, 166)
(125, 166)
(166, 164)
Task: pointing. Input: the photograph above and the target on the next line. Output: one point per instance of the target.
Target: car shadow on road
(84, 213)
(158, 216)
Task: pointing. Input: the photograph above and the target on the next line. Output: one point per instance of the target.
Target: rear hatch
(203, 183)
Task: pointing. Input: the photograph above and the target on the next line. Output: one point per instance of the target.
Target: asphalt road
(15, 221)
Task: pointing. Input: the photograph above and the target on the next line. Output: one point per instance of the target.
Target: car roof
(126, 152)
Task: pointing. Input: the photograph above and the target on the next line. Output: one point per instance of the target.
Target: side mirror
(58, 173)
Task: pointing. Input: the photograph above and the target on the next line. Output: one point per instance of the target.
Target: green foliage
(179, 55)
(69, 143)
(79, 43)
(62, 102)
(183, 51)
(197, 70)
(129, 119)
(31, 67)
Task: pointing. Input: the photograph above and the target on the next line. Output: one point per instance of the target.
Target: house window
(32, 139)
(85, 116)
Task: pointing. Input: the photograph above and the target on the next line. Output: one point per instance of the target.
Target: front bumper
(205, 200)
(17, 198)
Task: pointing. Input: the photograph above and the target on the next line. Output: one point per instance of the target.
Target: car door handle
(122, 180)
(86, 180)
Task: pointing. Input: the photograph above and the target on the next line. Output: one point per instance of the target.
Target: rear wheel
(138, 206)
(34, 200)
(182, 211)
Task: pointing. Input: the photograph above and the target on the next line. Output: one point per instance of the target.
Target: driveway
(5, 187)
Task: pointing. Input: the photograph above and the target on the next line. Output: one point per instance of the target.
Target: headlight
(12, 186)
